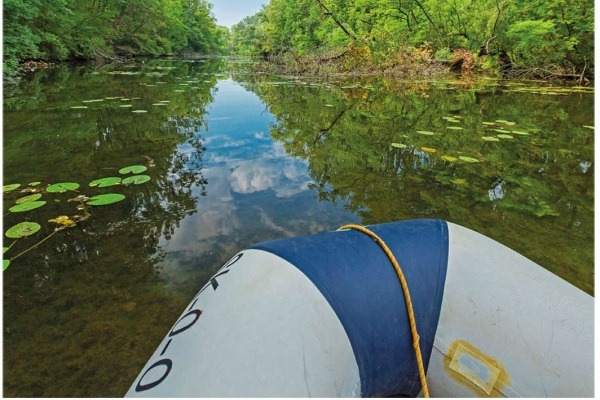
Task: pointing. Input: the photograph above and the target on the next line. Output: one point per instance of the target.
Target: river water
(235, 159)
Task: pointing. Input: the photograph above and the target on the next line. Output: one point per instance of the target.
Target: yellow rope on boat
(409, 306)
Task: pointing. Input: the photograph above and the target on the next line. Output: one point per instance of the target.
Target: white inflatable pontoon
(325, 316)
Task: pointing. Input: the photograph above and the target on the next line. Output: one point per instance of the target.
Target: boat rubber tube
(324, 316)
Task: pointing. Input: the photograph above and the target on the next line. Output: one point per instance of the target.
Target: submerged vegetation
(543, 38)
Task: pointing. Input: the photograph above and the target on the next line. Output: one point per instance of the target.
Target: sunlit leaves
(490, 139)
(399, 145)
(63, 220)
(104, 199)
(10, 188)
(133, 169)
(136, 180)
(105, 182)
(62, 187)
(468, 159)
(31, 197)
(27, 206)
(22, 229)
(448, 158)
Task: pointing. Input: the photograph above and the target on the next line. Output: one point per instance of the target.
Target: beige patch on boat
(469, 366)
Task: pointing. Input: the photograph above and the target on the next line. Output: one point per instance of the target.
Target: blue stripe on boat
(359, 282)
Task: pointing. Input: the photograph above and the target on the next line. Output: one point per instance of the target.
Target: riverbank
(410, 62)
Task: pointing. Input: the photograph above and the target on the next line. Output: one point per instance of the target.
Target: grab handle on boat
(409, 306)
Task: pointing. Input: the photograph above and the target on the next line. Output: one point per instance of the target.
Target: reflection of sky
(255, 192)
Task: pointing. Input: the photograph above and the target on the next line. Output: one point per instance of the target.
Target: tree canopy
(70, 29)
(532, 33)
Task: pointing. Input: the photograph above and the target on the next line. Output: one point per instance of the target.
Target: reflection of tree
(76, 310)
(533, 183)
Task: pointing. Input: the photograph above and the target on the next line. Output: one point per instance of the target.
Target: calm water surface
(236, 159)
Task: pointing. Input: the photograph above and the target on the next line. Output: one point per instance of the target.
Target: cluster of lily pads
(33, 200)
(502, 127)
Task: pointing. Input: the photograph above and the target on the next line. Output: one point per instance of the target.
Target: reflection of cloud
(285, 176)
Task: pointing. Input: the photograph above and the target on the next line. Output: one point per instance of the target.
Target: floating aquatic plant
(490, 139)
(468, 159)
(105, 182)
(62, 187)
(134, 169)
(10, 188)
(504, 136)
(34, 183)
(31, 197)
(139, 111)
(29, 205)
(520, 133)
(448, 158)
(104, 199)
(426, 133)
(456, 128)
(21, 230)
(136, 179)
(399, 145)
(78, 107)
(428, 149)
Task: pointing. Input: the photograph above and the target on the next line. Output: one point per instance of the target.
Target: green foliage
(22, 229)
(27, 206)
(531, 32)
(104, 199)
(65, 29)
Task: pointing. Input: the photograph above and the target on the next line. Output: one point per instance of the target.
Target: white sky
(230, 12)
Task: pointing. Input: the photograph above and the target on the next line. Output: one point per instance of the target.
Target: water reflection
(525, 189)
(234, 161)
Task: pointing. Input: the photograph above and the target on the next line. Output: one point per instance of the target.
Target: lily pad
(31, 197)
(10, 188)
(399, 145)
(490, 139)
(29, 205)
(134, 169)
(468, 159)
(426, 133)
(105, 182)
(139, 111)
(104, 199)
(520, 133)
(136, 179)
(5, 264)
(501, 131)
(34, 183)
(126, 105)
(502, 121)
(428, 149)
(504, 136)
(489, 123)
(454, 127)
(449, 158)
(160, 104)
(22, 229)
(62, 187)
